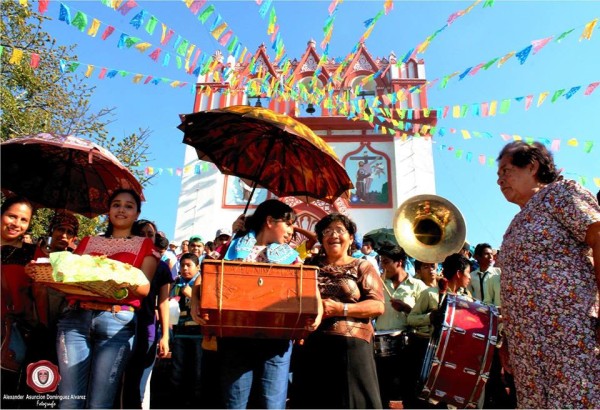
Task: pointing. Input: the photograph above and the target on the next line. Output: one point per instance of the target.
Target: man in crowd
(397, 372)
(484, 255)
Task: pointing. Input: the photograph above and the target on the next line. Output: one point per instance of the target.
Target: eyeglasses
(331, 231)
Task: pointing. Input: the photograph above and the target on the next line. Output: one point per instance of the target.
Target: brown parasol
(272, 150)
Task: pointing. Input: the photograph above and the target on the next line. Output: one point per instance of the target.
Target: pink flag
(196, 6)
(35, 60)
(225, 38)
(528, 101)
(126, 8)
(43, 6)
(167, 37)
(476, 69)
(539, 44)
(102, 73)
(590, 88)
(484, 109)
(555, 145)
(155, 54)
(107, 32)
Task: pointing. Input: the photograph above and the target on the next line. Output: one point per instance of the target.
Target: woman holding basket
(95, 334)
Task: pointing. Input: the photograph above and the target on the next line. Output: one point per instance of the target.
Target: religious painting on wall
(237, 193)
(369, 170)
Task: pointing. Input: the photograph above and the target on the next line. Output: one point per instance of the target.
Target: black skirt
(335, 372)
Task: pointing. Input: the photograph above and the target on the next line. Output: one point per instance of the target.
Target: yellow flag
(588, 29)
(423, 46)
(542, 97)
(16, 56)
(137, 78)
(573, 142)
(466, 135)
(517, 138)
(23, 3)
(164, 32)
(456, 111)
(90, 69)
(94, 28)
(493, 106)
(505, 58)
(142, 47)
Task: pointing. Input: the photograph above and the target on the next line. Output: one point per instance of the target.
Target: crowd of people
(378, 308)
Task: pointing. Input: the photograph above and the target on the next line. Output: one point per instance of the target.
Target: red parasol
(62, 171)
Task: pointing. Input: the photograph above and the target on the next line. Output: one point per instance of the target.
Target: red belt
(101, 306)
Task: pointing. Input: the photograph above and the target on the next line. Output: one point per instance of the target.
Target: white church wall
(201, 209)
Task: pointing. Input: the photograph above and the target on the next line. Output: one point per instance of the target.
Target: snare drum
(459, 356)
(388, 342)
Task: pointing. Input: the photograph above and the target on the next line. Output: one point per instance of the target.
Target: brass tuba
(429, 228)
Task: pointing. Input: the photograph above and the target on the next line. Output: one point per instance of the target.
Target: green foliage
(46, 99)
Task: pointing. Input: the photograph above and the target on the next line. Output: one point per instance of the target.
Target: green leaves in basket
(70, 268)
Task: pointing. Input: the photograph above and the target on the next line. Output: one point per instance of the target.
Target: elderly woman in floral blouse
(549, 283)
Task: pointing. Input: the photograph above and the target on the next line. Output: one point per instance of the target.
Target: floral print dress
(550, 299)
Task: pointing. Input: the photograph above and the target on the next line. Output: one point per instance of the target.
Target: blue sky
(476, 37)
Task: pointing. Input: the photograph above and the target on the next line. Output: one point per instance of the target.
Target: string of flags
(424, 45)
(553, 145)
(394, 127)
(533, 48)
(68, 66)
(489, 161)
(490, 108)
(199, 167)
(196, 167)
(271, 86)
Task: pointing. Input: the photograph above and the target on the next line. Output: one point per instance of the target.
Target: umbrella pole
(260, 170)
(250, 198)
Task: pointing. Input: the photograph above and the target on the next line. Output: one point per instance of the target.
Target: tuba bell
(429, 228)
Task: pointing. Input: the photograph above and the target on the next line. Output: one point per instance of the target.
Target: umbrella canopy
(62, 171)
(381, 235)
(272, 150)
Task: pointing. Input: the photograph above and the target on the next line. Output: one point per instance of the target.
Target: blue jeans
(264, 362)
(186, 354)
(93, 347)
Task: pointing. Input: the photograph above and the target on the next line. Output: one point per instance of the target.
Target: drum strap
(387, 290)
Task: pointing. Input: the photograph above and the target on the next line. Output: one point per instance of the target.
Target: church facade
(371, 111)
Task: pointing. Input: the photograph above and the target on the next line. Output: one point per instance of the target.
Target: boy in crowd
(187, 340)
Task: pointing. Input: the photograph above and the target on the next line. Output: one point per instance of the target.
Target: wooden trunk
(259, 300)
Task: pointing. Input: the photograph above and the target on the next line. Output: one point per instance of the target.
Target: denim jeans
(186, 354)
(93, 348)
(266, 363)
(137, 375)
